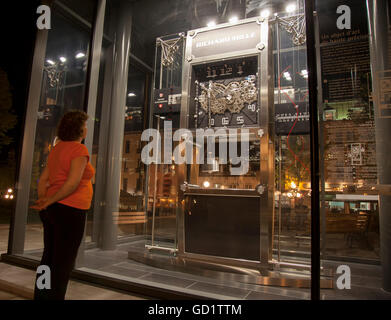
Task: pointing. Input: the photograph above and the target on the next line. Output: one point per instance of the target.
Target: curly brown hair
(71, 125)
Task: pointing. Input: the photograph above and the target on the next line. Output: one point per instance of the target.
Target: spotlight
(50, 62)
(131, 94)
(211, 24)
(287, 76)
(293, 185)
(206, 184)
(233, 19)
(80, 55)
(63, 59)
(265, 13)
(10, 190)
(290, 8)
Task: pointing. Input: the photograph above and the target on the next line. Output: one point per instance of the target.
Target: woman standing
(64, 196)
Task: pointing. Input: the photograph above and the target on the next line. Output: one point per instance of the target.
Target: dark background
(17, 33)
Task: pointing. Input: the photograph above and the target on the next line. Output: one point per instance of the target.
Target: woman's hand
(42, 203)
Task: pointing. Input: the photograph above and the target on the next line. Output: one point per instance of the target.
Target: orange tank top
(59, 163)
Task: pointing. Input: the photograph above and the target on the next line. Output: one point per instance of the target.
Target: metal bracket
(192, 33)
(260, 46)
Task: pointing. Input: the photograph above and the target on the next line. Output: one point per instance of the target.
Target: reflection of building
(132, 168)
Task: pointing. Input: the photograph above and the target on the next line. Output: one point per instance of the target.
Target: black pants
(63, 232)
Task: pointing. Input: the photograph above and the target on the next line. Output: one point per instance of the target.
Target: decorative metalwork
(169, 49)
(54, 74)
(295, 26)
(232, 96)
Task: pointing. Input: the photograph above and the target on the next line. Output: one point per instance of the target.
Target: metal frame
(314, 136)
(92, 90)
(264, 52)
(19, 219)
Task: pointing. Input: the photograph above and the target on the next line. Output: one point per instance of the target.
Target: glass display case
(225, 114)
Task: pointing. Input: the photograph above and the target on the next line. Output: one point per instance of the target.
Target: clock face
(225, 94)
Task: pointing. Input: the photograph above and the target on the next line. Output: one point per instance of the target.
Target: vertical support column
(93, 79)
(116, 124)
(267, 145)
(100, 177)
(321, 142)
(380, 33)
(19, 220)
(315, 208)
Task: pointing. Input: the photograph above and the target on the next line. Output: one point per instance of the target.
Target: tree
(7, 118)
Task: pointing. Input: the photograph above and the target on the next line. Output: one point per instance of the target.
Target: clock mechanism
(225, 94)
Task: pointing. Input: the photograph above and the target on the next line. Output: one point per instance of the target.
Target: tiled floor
(18, 284)
(4, 295)
(366, 279)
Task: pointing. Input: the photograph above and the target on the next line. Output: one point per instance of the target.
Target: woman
(64, 196)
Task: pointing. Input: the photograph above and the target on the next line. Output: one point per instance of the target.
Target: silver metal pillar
(95, 56)
(379, 25)
(100, 177)
(18, 225)
(117, 123)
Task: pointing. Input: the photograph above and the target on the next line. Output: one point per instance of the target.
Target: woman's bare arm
(74, 177)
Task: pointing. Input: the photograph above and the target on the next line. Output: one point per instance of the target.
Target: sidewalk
(17, 283)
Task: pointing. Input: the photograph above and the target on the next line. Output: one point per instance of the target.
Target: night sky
(18, 31)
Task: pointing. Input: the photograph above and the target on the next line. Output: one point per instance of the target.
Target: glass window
(63, 89)
(202, 213)
(202, 145)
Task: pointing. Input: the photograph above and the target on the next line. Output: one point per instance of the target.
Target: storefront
(204, 116)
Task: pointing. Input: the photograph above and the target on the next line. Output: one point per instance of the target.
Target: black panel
(223, 226)
(231, 81)
(291, 119)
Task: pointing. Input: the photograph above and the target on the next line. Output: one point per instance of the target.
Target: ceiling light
(50, 62)
(131, 94)
(233, 19)
(290, 8)
(211, 24)
(80, 55)
(63, 59)
(265, 13)
(10, 190)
